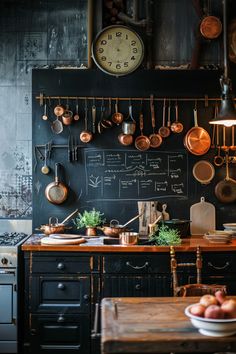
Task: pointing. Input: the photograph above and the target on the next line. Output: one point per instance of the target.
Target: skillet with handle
(56, 192)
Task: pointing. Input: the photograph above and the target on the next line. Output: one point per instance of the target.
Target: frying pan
(142, 142)
(203, 171)
(210, 27)
(154, 138)
(56, 192)
(225, 190)
(197, 140)
(164, 131)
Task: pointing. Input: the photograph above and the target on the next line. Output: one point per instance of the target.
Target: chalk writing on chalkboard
(134, 175)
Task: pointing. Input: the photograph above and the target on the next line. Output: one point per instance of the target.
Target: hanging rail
(42, 98)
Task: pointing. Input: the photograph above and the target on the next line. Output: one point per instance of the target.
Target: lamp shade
(227, 114)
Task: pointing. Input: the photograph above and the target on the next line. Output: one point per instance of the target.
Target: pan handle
(56, 172)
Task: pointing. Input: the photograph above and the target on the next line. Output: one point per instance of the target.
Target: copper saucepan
(117, 117)
(86, 136)
(197, 140)
(56, 192)
(155, 138)
(142, 142)
(164, 131)
(176, 126)
(54, 227)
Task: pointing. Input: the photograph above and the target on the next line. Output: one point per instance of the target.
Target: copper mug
(128, 238)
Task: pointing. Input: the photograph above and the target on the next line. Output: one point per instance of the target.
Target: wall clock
(118, 50)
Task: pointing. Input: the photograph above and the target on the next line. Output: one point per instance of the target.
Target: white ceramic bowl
(212, 327)
(230, 226)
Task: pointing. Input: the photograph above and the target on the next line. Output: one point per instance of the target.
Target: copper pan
(86, 136)
(203, 171)
(210, 27)
(142, 142)
(164, 131)
(197, 140)
(155, 138)
(56, 192)
(225, 190)
(125, 139)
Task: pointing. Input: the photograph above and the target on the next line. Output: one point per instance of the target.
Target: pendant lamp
(227, 114)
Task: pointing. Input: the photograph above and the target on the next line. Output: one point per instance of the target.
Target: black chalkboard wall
(103, 173)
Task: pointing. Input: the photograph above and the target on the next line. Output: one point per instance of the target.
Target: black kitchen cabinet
(63, 288)
(59, 301)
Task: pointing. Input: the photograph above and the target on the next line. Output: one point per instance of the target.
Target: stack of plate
(230, 228)
(218, 236)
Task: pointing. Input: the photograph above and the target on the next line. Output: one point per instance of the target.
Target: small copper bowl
(128, 238)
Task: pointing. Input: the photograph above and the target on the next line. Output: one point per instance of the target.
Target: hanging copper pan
(142, 142)
(225, 190)
(210, 27)
(203, 171)
(56, 192)
(154, 138)
(197, 140)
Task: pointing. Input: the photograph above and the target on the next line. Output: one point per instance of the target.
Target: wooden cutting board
(203, 217)
(56, 241)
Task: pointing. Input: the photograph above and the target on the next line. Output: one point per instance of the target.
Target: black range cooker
(11, 274)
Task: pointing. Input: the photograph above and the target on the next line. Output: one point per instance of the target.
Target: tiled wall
(33, 34)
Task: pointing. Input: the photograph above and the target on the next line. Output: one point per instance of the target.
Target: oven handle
(7, 272)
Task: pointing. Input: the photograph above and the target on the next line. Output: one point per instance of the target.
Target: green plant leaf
(166, 236)
(92, 218)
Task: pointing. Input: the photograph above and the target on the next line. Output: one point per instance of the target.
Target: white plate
(230, 226)
(64, 236)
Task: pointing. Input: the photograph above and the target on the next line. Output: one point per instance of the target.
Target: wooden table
(155, 325)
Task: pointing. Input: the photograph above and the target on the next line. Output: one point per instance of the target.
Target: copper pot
(125, 139)
(128, 238)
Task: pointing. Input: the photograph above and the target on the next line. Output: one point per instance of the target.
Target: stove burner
(11, 238)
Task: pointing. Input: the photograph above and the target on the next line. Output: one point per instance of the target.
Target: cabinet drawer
(136, 264)
(219, 263)
(54, 294)
(61, 265)
(138, 286)
(60, 334)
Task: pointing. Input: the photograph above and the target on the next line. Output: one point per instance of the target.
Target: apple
(208, 299)
(229, 308)
(214, 311)
(220, 296)
(197, 310)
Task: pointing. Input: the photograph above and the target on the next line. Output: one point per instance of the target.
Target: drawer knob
(61, 286)
(138, 287)
(33, 332)
(86, 297)
(60, 266)
(61, 319)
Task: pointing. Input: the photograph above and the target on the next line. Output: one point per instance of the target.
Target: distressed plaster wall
(33, 34)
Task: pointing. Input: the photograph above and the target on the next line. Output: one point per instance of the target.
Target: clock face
(118, 50)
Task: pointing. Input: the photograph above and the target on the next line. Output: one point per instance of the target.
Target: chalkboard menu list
(134, 175)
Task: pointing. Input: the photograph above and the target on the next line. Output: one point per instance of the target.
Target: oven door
(8, 311)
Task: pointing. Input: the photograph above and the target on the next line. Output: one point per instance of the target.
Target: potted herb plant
(166, 236)
(89, 220)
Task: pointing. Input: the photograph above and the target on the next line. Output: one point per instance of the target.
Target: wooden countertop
(96, 245)
(154, 325)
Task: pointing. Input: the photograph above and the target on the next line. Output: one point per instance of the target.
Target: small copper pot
(125, 139)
